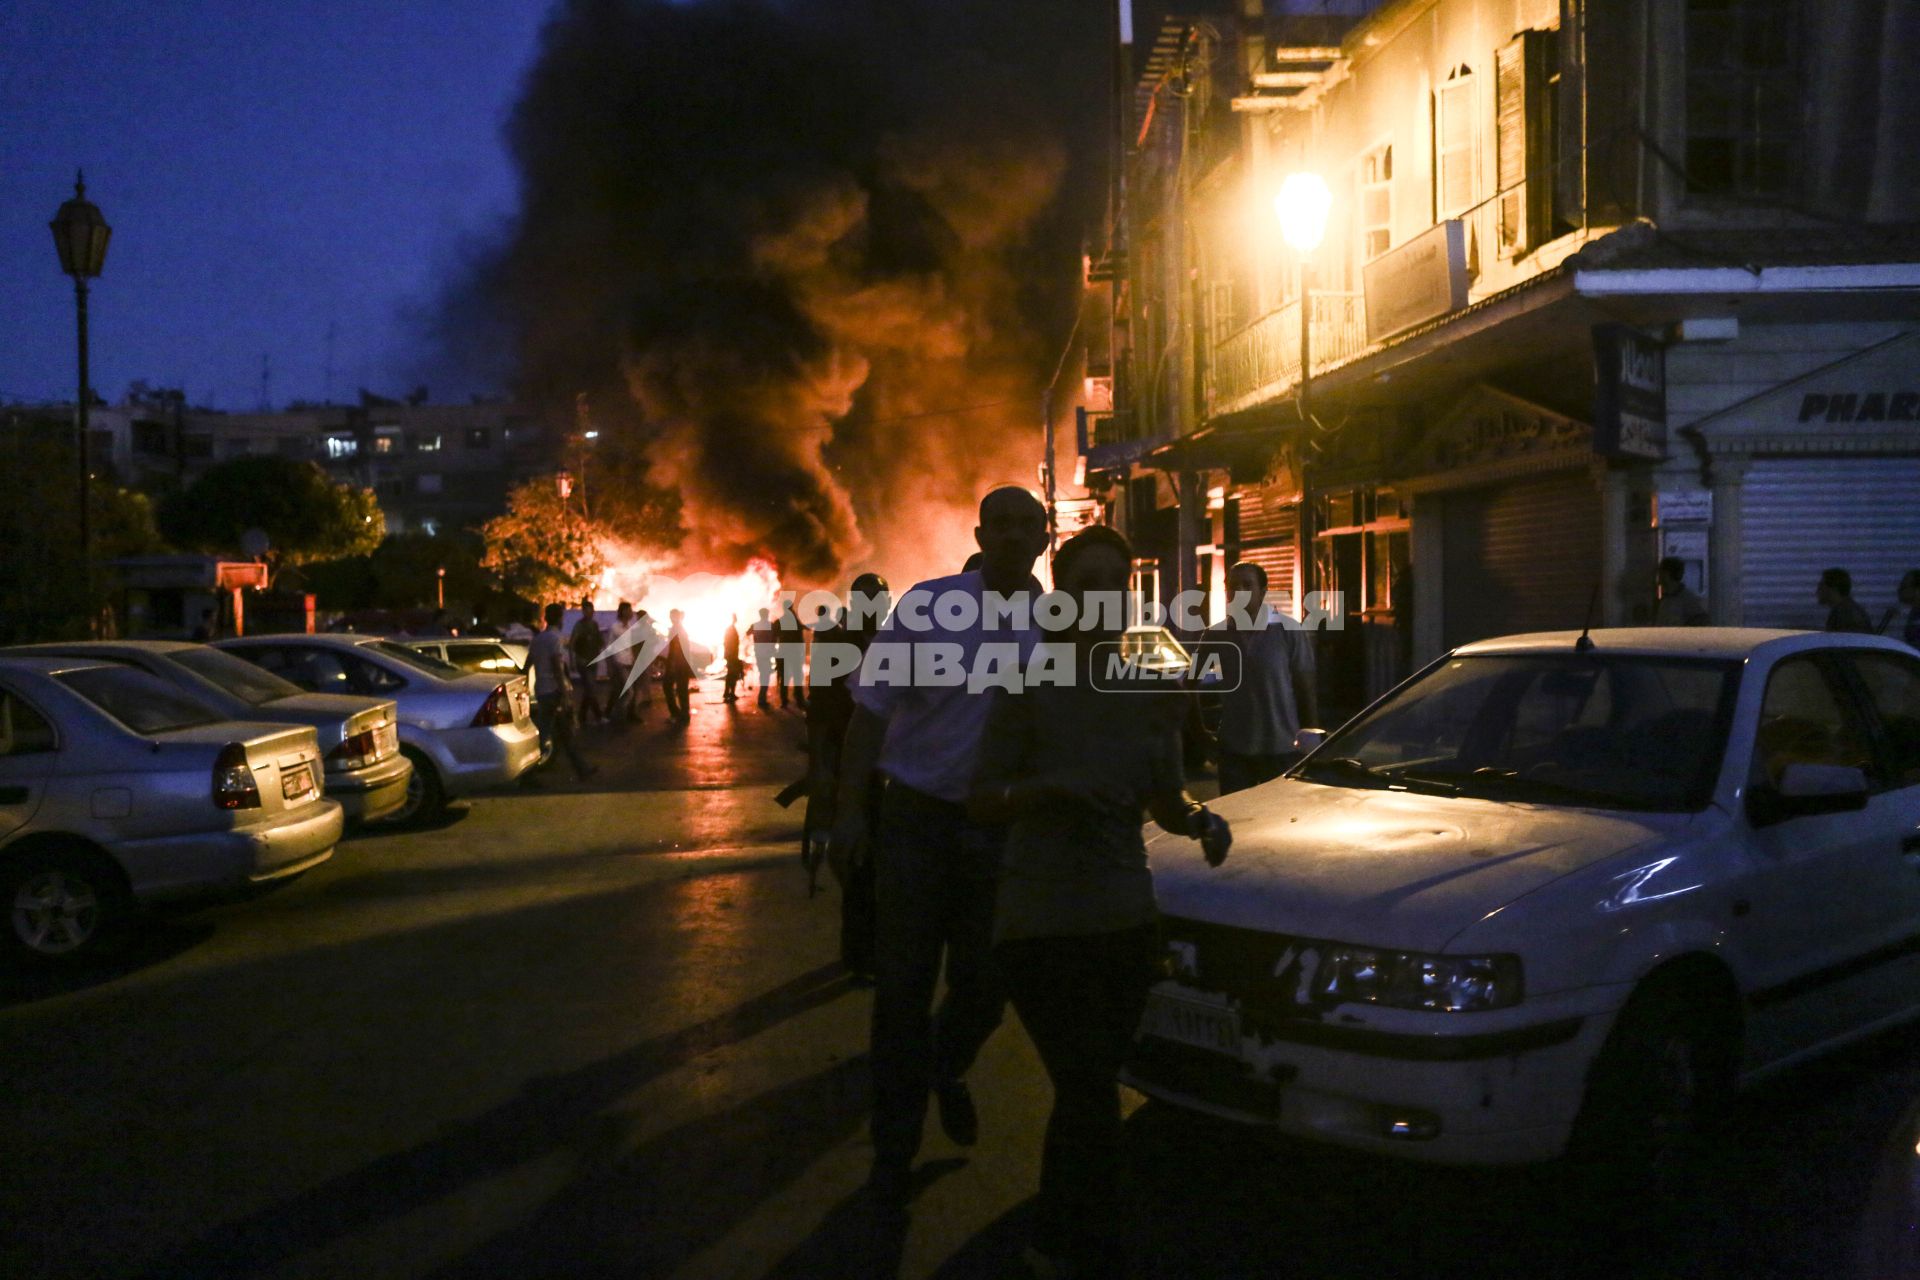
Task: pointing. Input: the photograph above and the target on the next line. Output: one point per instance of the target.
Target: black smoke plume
(777, 241)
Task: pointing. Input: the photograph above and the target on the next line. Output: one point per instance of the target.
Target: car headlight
(1406, 980)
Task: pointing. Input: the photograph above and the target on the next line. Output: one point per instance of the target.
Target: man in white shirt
(935, 869)
(1259, 718)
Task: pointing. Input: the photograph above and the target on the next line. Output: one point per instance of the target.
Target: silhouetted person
(789, 654)
(762, 633)
(586, 642)
(1679, 605)
(1071, 768)
(829, 712)
(1276, 695)
(1843, 611)
(934, 866)
(620, 696)
(730, 654)
(679, 675)
(552, 694)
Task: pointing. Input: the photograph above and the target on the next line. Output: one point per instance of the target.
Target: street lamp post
(1302, 205)
(440, 587)
(80, 233)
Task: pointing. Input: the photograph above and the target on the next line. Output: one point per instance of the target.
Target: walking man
(1259, 719)
(934, 868)
(1679, 605)
(619, 695)
(789, 654)
(1844, 613)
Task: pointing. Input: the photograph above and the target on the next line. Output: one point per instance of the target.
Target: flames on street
(709, 600)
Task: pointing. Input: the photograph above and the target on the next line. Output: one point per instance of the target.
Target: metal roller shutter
(1799, 516)
(1269, 536)
(1520, 557)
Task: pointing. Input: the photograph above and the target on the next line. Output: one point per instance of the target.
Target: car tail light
(233, 784)
(497, 710)
(356, 752)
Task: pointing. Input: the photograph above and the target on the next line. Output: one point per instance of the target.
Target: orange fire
(709, 600)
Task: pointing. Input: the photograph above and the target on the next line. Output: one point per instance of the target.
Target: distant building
(435, 468)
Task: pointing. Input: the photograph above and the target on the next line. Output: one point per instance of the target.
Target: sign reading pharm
(1423, 279)
(1630, 393)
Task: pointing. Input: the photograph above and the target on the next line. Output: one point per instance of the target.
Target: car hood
(1382, 868)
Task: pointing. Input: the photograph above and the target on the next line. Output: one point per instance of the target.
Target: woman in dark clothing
(1071, 768)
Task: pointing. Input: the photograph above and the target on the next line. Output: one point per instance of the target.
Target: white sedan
(1555, 894)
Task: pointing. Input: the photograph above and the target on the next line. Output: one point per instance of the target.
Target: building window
(150, 437)
(428, 482)
(1376, 202)
(387, 442)
(1456, 138)
(426, 441)
(1745, 95)
(479, 437)
(197, 445)
(342, 446)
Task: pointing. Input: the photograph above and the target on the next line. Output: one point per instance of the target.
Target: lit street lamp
(1302, 206)
(80, 233)
(440, 587)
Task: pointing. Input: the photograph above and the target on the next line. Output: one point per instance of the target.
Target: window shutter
(1510, 88)
(1525, 123)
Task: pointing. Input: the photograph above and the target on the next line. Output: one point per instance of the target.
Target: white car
(1554, 894)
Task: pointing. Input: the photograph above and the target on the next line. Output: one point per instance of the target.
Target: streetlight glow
(1302, 205)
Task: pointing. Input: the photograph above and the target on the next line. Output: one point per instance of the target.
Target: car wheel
(1662, 1083)
(426, 798)
(62, 906)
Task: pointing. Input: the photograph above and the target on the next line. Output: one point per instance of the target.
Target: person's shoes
(958, 1119)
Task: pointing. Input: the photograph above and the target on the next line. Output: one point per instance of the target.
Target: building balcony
(1261, 361)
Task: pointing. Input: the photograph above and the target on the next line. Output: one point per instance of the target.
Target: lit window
(342, 446)
(426, 442)
(383, 444)
(479, 438)
(1376, 202)
(1455, 143)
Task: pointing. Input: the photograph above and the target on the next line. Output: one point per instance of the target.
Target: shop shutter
(1799, 516)
(1269, 536)
(1520, 557)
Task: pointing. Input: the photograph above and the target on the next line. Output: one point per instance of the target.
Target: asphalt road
(597, 1030)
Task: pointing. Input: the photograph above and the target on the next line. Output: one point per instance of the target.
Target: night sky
(268, 168)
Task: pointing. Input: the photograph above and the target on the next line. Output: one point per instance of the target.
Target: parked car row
(135, 772)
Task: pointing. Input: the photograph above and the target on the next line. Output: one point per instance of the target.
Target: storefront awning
(1242, 448)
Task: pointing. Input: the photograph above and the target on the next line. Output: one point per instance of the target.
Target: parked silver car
(116, 788)
(474, 653)
(359, 737)
(464, 733)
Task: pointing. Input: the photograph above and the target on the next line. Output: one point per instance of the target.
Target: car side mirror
(1805, 790)
(1309, 740)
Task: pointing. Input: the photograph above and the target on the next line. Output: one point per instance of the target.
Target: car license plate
(1190, 1022)
(296, 783)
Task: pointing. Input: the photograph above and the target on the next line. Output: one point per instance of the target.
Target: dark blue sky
(268, 167)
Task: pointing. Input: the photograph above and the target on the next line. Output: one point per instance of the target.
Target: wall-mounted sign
(1677, 506)
(1423, 279)
(1860, 406)
(1488, 426)
(1630, 393)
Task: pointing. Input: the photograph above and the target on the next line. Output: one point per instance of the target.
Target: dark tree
(305, 515)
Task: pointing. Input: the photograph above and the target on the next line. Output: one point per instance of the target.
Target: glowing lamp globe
(1302, 204)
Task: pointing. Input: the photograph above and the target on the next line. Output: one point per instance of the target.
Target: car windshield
(1615, 732)
(253, 685)
(139, 700)
(414, 658)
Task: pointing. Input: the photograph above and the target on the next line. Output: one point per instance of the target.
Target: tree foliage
(305, 515)
(42, 579)
(543, 548)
